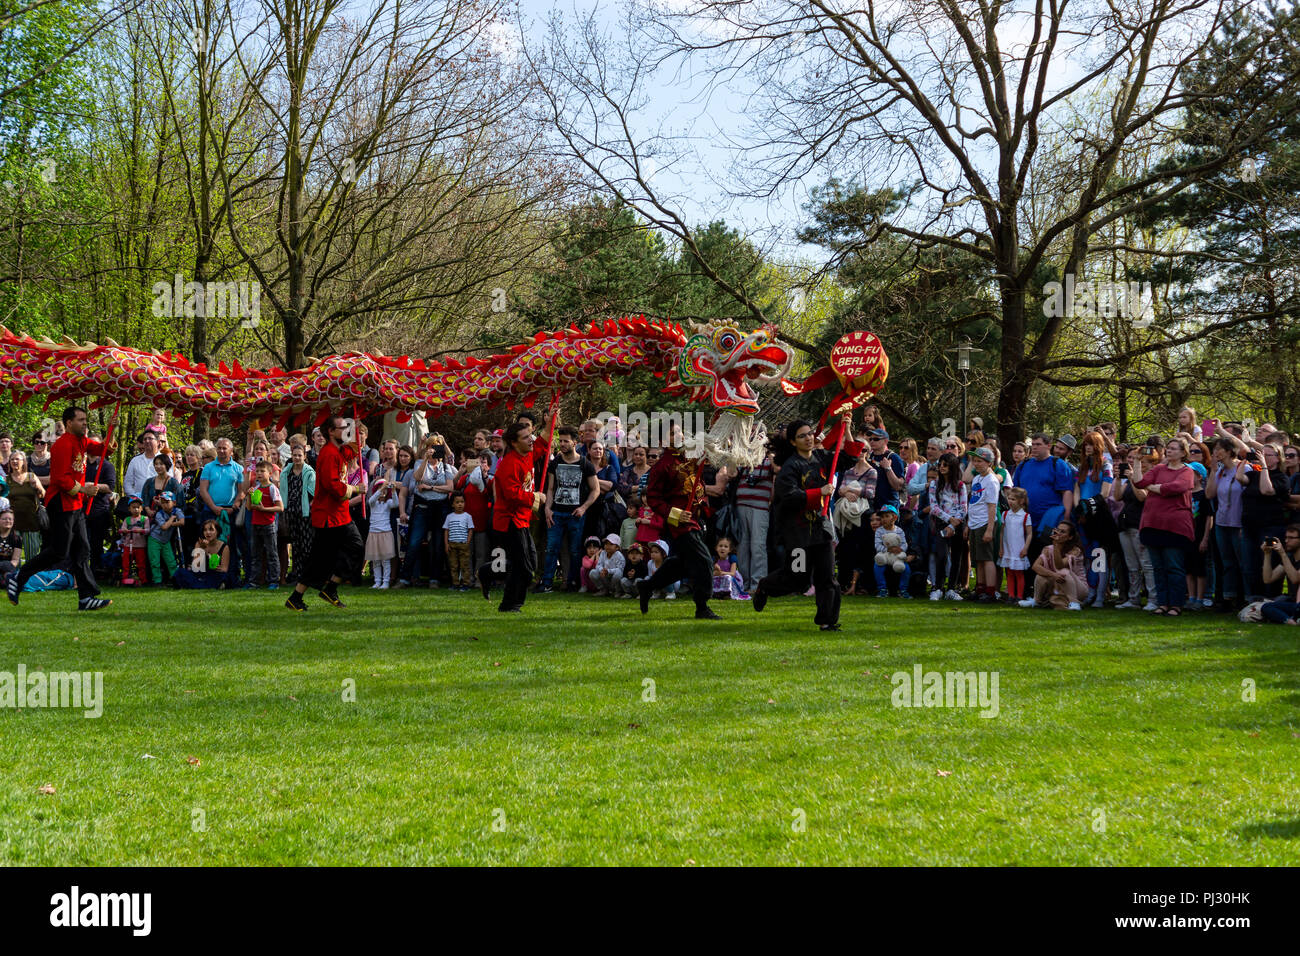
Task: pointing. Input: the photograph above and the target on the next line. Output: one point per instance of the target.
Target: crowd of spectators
(1205, 518)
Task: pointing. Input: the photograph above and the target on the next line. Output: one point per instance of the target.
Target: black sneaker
(93, 604)
(543, 589)
(758, 599)
(12, 588)
(706, 614)
(295, 602)
(511, 610)
(330, 593)
(831, 627)
(643, 596)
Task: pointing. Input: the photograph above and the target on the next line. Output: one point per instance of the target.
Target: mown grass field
(479, 738)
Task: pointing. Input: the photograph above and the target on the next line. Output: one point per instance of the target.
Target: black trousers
(689, 559)
(521, 565)
(65, 544)
(820, 569)
(335, 552)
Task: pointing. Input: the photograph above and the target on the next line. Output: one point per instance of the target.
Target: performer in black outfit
(803, 483)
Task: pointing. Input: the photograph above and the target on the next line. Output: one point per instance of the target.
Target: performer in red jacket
(337, 549)
(512, 512)
(674, 492)
(66, 541)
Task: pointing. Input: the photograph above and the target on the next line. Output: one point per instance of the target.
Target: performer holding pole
(674, 492)
(337, 549)
(67, 540)
(515, 500)
(803, 491)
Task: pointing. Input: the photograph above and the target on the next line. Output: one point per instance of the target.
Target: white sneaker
(582, 590)
(936, 595)
(1125, 606)
(1151, 606)
(1027, 602)
(952, 596)
(1073, 606)
(1207, 603)
(384, 586)
(670, 596)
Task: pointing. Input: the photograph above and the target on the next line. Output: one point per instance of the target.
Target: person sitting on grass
(727, 580)
(658, 555)
(214, 561)
(592, 547)
(1059, 575)
(1287, 551)
(635, 569)
(11, 547)
(164, 537)
(610, 565)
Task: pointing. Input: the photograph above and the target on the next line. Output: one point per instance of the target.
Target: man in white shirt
(140, 468)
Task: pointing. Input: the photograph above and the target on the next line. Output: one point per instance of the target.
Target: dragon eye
(726, 340)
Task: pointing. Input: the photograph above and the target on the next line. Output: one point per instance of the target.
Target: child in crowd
(11, 547)
(215, 562)
(1017, 530)
(649, 526)
(458, 541)
(381, 547)
(658, 555)
(135, 532)
(610, 565)
(592, 547)
(158, 425)
(265, 504)
(628, 528)
(635, 570)
(164, 536)
(893, 553)
(727, 581)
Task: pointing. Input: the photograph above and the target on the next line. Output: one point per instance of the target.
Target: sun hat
(1068, 441)
(986, 454)
(592, 540)
(662, 545)
(612, 538)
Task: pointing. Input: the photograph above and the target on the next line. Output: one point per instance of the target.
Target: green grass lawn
(480, 738)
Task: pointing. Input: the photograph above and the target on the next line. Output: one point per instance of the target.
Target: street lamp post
(963, 350)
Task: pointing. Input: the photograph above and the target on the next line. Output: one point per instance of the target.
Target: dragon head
(719, 363)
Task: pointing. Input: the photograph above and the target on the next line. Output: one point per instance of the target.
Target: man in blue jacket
(1049, 483)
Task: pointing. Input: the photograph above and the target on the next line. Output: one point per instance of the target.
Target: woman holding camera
(1263, 503)
(1286, 568)
(1167, 525)
(1136, 559)
(1222, 487)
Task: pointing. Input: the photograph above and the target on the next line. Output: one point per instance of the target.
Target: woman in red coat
(1167, 526)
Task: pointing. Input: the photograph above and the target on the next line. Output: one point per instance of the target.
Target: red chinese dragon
(717, 363)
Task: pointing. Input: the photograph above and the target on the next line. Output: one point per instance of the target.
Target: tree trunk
(1017, 378)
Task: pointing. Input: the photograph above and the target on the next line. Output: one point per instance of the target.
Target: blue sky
(697, 181)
